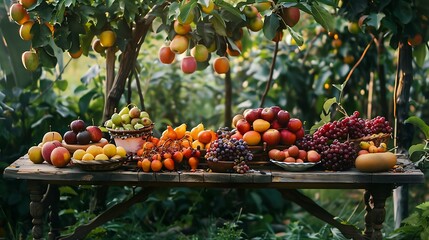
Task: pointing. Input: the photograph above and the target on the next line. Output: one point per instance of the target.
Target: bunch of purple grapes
(378, 125)
(226, 148)
(339, 156)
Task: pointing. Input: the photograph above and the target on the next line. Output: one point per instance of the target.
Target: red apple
(287, 137)
(237, 135)
(293, 151)
(268, 114)
(243, 126)
(252, 115)
(189, 64)
(283, 117)
(294, 125)
(271, 137)
(300, 134)
(236, 118)
(95, 133)
(47, 149)
(60, 157)
(275, 124)
(275, 109)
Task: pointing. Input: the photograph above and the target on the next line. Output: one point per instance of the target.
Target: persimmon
(168, 164)
(156, 165)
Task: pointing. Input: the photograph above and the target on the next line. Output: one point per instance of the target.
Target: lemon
(116, 157)
(101, 156)
(35, 154)
(94, 150)
(78, 154)
(121, 151)
(109, 150)
(88, 157)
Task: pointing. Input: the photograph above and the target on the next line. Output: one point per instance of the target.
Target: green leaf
(296, 36)
(323, 17)
(416, 151)
(47, 57)
(41, 120)
(271, 25)
(328, 104)
(41, 35)
(61, 84)
(67, 190)
(418, 122)
(403, 12)
(374, 20)
(186, 9)
(231, 9)
(218, 24)
(419, 54)
(85, 101)
(59, 15)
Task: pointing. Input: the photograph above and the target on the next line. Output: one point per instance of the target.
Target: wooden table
(45, 179)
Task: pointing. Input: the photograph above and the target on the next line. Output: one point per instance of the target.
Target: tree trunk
(382, 77)
(404, 134)
(228, 99)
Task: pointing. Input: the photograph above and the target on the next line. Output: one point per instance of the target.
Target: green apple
(116, 119)
(128, 127)
(144, 114)
(108, 123)
(146, 121)
(134, 112)
(138, 126)
(134, 121)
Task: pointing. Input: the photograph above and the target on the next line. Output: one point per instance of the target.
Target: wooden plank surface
(23, 168)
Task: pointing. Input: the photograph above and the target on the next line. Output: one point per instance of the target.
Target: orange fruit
(156, 165)
(146, 165)
(193, 163)
(169, 164)
(205, 136)
(252, 137)
(221, 65)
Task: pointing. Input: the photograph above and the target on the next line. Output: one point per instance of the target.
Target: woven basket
(377, 139)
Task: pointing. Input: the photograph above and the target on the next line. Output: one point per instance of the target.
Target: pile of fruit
(50, 150)
(93, 152)
(271, 125)
(81, 134)
(174, 146)
(333, 140)
(293, 154)
(228, 148)
(129, 119)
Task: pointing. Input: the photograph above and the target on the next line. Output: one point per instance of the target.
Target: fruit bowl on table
(99, 165)
(131, 140)
(294, 167)
(375, 138)
(73, 147)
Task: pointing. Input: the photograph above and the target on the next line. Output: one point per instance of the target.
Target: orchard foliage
(73, 25)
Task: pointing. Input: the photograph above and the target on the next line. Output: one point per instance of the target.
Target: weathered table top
(263, 176)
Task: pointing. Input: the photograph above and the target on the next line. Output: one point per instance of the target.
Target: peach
(289, 159)
(60, 157)
(302, 155)
(313, 156)
(252, 138)
(293, 151)
(276, 154)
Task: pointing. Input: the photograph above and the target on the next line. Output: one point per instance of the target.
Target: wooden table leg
(369, 226)
(379, 194)
(36, 190)
(349, 231)
(50, 202)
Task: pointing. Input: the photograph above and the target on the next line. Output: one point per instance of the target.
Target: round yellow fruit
(107, 38)
(51, 136)
(109, 150)
(121, 151)
(116, 157)
(101, 156)
(78, 154)
(94, 150)
(35, 154)
(88, 157)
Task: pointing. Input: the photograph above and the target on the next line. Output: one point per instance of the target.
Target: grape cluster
(378, 125)
(226, 148)
(339, 156)
(313, 142)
